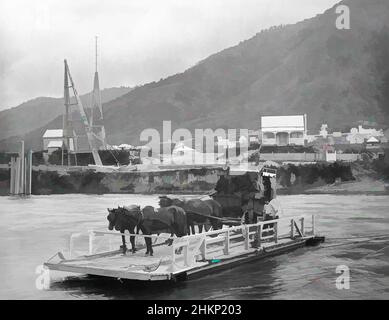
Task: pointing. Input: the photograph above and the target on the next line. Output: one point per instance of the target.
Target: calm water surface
(33, 229)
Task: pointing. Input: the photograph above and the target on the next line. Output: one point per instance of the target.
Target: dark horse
(198, 212)
(125, 218)
(148, 221)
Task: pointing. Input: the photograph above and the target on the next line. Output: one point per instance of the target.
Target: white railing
(187, 250)
(219, 243)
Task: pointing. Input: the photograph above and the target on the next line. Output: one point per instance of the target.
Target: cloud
(139, 40)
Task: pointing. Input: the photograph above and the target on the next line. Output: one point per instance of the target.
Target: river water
(35, 228)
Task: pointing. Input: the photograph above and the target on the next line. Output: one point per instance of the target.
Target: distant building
(184, 155)
(338, 138)
(323, 131)
(360, 135)
(53, 139)
(225, 143)
(253, 136)
(372, 143)
(284, 130)
(243, 141)
(53, 146)
(125, 146)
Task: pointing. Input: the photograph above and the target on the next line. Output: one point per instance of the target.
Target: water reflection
(89, 286)
(228, 284)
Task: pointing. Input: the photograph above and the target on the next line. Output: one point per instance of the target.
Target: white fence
(348, 157)
(310, 157)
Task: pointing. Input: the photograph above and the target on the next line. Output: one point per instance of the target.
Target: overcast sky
(139, 40)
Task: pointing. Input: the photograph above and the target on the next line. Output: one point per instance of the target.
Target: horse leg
(169, 242)
(200, 228)
(124, 247)
(192, 226)
(145, 231)
(179, 250)
(172, 233)
(216, 225)
(149, 246)
(132, 240)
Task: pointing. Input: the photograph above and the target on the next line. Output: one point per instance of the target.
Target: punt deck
(189, 256)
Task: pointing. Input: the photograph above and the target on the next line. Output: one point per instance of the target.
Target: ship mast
(97, 118)
(84, 118)
(93, 122)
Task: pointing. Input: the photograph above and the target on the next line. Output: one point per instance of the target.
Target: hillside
(38, 112)
(335, 76)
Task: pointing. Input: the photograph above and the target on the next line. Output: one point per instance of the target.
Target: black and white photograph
(219, 151)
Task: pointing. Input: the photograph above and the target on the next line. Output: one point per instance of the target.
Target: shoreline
(338, 178)
(360, 186)
(280, 192)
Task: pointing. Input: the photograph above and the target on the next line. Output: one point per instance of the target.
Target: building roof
(373, 140)
(182, 147)
(55, 144)
(55, 133)
(126, 146)
(277, 123)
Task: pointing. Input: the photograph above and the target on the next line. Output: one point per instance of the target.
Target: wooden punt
(191, 256)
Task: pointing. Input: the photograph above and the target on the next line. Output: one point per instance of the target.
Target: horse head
(124, 218)
(165, 201)
(112, 217)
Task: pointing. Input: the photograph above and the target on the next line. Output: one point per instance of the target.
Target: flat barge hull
(192, 256)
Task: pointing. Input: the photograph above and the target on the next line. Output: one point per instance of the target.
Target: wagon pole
(131, 235)
(210, 217)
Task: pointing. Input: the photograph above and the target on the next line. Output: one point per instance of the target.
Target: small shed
(53, 139)
(52, 135)
(372, 142)
(54, 145)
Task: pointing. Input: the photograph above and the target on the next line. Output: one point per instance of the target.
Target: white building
(125, 146)
(360, 135)
(53, 139)
(324, 131)
(372, 143)
(284, 130)
(253, 136)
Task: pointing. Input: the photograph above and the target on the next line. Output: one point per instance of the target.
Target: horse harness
(129, 210)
